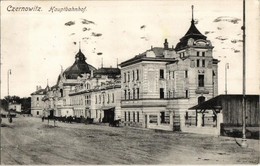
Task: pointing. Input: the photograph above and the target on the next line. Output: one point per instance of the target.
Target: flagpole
(244, 144)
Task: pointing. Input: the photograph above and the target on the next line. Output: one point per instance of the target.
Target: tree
(25, 102)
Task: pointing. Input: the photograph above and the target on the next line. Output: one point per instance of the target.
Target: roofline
(133, 61)
(219, 96)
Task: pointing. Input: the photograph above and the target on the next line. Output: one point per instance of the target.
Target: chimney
(165, 44)
(151, 47)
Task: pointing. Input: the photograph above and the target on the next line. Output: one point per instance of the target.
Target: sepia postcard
(144, 82)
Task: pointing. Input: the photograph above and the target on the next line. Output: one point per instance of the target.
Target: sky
(36, 45)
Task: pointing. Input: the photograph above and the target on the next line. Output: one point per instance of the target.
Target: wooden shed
(231, 107)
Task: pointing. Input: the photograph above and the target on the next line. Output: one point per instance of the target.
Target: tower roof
(79, 67)
(193, 32)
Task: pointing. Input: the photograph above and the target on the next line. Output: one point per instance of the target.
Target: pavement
(28, 140)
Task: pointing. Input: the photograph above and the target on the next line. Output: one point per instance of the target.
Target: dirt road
(29, 141)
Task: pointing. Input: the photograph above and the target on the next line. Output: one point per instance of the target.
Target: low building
(15, 107)
(224, 111)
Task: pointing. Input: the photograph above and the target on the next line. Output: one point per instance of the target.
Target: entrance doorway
(109, 115)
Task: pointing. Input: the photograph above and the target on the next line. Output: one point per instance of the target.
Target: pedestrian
(54, 120)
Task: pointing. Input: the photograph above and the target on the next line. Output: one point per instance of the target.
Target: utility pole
(226, 67)
(8, 73)
(244, 144)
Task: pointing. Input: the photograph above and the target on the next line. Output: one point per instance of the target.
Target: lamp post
(8, 73)
(226, 67)
(244, 144)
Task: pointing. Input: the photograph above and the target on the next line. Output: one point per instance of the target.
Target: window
(89, 99)
(137, 92)
(125, 116)
(201, 99)
(137, 116)
(169, 94)
(113, 97)
(99, 99)
(129, 94)
(203, 54)
(107, 98)
(198, 53)
(103, 98)
(129, 116)
(169, 75)
(186, 93)
(133, 116)
(173, 74)
(137, 74)
(133, 93)
(133, 75)
(37, 98)
(198, 63)
(125, 94)
(128, 76)
(161, 93)
(162, 117)
(96, 99)
(203, 62)
(201, 80)
(37, 112)
(124, 77)
(186, 73)
(161, 73)
(213, 73)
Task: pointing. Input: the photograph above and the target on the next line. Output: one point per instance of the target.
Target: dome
(79, 67)
(193, 33)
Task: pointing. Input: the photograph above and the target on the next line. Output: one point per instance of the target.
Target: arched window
(201, 99)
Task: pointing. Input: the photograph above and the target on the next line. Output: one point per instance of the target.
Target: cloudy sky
(34, 45)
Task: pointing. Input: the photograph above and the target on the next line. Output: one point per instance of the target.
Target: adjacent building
(15, 107)
(37, 104)
(81, 91)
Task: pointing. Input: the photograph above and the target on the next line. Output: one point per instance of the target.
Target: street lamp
(8, 73)
(226, 67)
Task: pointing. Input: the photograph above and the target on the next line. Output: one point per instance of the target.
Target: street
(28, 140)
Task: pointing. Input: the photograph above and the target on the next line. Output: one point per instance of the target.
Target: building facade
(81, 91)
(161, 84)
(15, 107)
(37, 104)
(154, 89)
